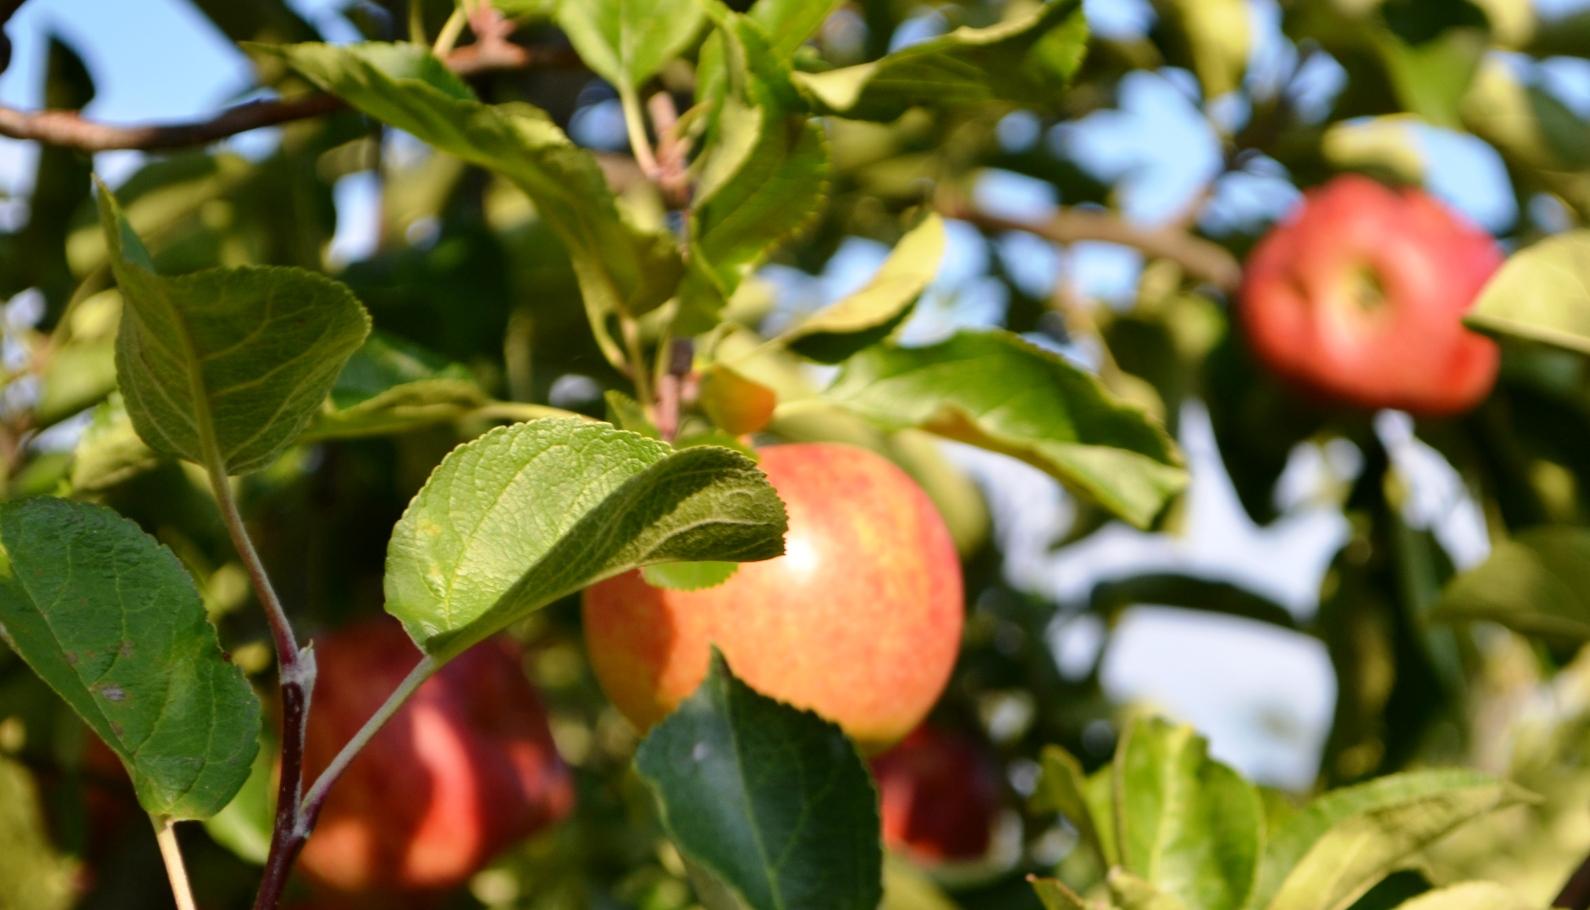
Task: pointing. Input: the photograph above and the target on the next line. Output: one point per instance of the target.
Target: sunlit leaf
(870, 314)
(531, 512)
(1468, 896)
(1184, 822)
(1338, 846)
(1025, 60)
(627, 41)
(1542, 294)
(994, 390)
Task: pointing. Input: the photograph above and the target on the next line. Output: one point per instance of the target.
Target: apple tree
(656, 512)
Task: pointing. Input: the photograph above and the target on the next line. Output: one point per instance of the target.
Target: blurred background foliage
(478, 314)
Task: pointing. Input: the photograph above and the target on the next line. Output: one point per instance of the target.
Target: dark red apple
(465, 769)
(859, 620)
(1358, 297)
(940, 796)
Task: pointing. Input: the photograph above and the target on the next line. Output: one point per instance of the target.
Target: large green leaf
(1525, 122)
(1184, 822)
(627, 41)
(994, 390)
(225, 366)
(1131, 892)
(621, 267)
(1542, 293)
(531, 512)
(873, 312)
(1537, 583)
(1336, 848)
(773, 800)
(114, 624)
(763, 180)
(1026, 60)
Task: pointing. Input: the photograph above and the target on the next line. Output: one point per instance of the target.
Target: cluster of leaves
(531, 264)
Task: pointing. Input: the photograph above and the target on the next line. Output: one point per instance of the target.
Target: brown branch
(1203, 259)
(69, 129)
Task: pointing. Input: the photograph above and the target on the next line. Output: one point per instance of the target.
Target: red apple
(859, 620)
(939, 793)
(464, 769)
(1357, 299)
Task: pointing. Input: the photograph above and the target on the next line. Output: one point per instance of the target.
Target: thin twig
(176, 871)
(1203, 259)
(635, 125)
(295, 672)
(69, 129)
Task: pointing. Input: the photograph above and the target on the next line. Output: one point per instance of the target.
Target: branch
(69, 129)
(1204, 259)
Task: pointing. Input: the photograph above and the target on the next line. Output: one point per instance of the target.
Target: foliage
(621, 244)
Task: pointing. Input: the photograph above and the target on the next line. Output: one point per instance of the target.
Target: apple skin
(859, 620)
(940, 796)
(466, 768)
(1357, 299)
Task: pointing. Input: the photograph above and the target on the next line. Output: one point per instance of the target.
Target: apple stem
(176, 870)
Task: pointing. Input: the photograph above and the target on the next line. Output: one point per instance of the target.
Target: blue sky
(158, 59)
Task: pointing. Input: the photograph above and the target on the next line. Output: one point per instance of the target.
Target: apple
(1357, 298)
(939, 793)
(859, 620)
(466, 768)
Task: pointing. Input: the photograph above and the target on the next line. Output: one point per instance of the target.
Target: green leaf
(531, 512)
(224, 367)
(1468, 896)
(244, 826)
(1541, 294)
(1063, 788)
(1338, 846)
(689, 576)
(873, 313)
(763, 180)
(788, 23)
(1184, 822)
(773, 800)
(627, 42)
(1027, 60)
(994, 390)
(114, 624)
(621, 268)
(1537, 583)
(391, 386)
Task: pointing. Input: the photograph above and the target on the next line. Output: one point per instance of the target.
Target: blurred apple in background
(1358, 297)
(940, 794)
(859, 620)
(464, 770)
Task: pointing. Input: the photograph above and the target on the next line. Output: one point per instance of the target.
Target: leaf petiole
(171, 854)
